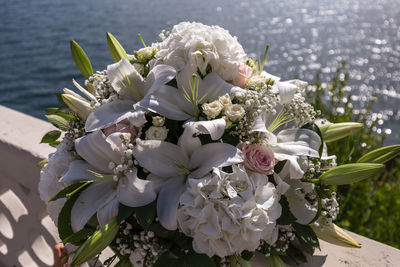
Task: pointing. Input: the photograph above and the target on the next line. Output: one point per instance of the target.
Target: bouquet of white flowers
(188, 153)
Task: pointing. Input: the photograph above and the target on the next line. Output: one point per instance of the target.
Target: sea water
(304, 36)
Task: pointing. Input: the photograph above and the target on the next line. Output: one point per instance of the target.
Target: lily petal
(125, 79)
(295, 170)
(297, 142)
(215, 128)
(114, 112)
(161, 158)
(187, 142)
(168, 102)
(168, 200)
(286, 92)
(212, 155)
(94, 197)
(212, 87)
(97, 151)
(84, 91)
(299, 206)
(78, 171)
(259, 124)
(158, 76)
(108, 211)
(135, 192)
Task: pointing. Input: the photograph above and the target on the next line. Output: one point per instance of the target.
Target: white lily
(104, 195)
(182, 103)
(285, 89)
(294, 190)
(171, 165)
(287, 144)
(131, 87)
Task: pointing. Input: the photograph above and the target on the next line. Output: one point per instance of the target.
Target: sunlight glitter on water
(304, 36)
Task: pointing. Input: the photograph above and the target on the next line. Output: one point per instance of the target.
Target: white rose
(227, 213)
(235, 112)
(225, 100)
(212, 109)
(156, 133)
(158, 121)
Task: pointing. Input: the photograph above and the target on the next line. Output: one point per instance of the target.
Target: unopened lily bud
(335, 131)
(333, 234)
(77, 104)
(381, 155)
(350, 173)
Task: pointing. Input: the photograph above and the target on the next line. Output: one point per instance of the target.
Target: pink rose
(121, 127)
(244, 73)
(258, 158)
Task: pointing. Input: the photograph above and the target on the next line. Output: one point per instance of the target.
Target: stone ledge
(20, 150)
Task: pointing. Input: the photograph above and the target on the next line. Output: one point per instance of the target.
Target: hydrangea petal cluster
(227, 213)
(192, 45)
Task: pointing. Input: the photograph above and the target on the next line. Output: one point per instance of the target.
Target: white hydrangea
(195, 45)
(227, 213)
(146, 53)
(49, 185)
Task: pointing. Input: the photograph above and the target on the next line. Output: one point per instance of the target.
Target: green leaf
(296, 254)
(146, 214)
(124, 262)
(350, 173)
(64, 218)
(193, 259)
(67, 116)
(79, 237)
(71, 190)
(116, 50)
(55, 143)
(58, 121)
(51, 110)
(237, 261)
(96, 242)
(81, 59)
(276, 261)
(51, 136)
(381, 155)
(124, 212)
(307, 238)
(279, 166)
(159, 230)
(169, 259)
(313, 127)
(287, 216)
(247, 255)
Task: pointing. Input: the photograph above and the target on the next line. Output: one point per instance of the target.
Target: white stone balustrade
(27, 234)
